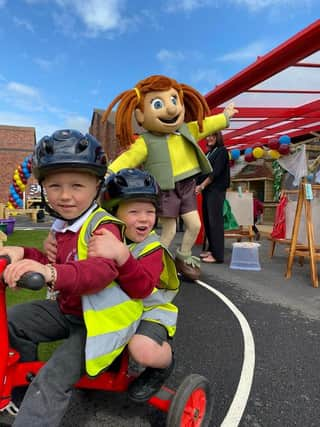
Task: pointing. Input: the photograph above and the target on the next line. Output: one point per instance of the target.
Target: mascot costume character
(175, 117)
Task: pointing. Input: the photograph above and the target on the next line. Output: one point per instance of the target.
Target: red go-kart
(188, 406)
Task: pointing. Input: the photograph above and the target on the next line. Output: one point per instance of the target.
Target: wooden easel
(309, 251)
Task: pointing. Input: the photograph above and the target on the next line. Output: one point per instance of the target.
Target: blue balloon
(235, 154)
(284, 139)
(248, 151)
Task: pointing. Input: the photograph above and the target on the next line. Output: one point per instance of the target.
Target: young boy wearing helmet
(131, 195)
(71, 168)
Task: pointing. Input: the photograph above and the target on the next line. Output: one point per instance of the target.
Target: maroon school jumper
(78, 277)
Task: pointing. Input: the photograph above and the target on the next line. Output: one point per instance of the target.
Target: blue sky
(60, 59)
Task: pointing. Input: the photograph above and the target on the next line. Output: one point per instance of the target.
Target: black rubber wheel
(192, 404)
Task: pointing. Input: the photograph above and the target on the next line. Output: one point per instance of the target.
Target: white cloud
(23, 23)
(49, 64)
(257, 5)
(18, 95)
(44, 125)
(251, 51)
(22, 89)
(29, 101)
(44, 64)
(208, 76)
(187, 5)
(77, 122)
(165, 55)
(97, 15)
(14, 119)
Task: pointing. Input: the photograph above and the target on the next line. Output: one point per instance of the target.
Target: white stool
(245, 256)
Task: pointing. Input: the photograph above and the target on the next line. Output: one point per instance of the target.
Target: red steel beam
(305, 110)
(281, 129)
(253, 142)
(298, 47)
(306, 64)
(259, 112)
(310, 92)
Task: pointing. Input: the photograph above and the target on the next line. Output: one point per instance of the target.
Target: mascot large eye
(174, 100)
(157, 103)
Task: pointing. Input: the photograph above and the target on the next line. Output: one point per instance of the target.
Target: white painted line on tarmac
(239, 403)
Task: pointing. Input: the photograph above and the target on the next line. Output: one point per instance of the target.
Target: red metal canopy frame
(254, 126)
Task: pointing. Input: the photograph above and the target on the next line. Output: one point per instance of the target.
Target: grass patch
(33, 239)
(30, 238)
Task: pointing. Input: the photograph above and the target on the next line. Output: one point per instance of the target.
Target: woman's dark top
(219, 159)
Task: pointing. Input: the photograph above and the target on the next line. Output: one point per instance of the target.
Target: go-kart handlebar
(30, 280)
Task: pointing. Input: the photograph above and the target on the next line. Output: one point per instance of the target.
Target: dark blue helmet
(68, 149)
(129, 184)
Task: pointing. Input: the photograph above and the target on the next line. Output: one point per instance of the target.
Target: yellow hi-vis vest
(158, 305)
(110, 315)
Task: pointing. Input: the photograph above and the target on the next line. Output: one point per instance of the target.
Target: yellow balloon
(258, 152)
(273, 154)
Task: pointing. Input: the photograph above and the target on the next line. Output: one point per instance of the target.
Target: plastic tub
(245, 256)
(9, 223)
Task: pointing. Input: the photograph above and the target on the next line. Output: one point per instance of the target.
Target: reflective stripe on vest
(158, 305)
(111, 316)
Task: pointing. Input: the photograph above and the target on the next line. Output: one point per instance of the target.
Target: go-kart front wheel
(191, 406)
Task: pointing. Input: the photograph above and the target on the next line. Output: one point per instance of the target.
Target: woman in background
(213, 189)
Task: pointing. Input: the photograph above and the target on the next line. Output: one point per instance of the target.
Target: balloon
(284, 139)
(273, 154)
(284, 149)
(258, 152)
(273, 144)
(235, 154)
(249, 157)
(19, 182)
(231, 163)
(248, 151)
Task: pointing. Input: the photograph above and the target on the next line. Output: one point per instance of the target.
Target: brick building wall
(16, 143)
(105, 132)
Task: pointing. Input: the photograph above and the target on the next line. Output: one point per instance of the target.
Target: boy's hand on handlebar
(14, 271)
(50, 247)
(15, 253)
